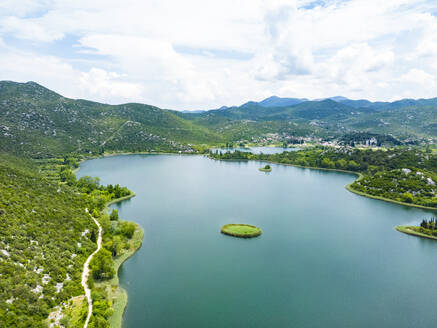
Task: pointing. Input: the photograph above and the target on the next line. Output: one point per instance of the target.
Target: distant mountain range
(39, 122)
(334, 116)
(275, 101)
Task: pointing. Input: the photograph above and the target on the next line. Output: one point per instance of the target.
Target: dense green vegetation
(412, 186)
(241, 230)
(266, 168)
(427, 229)
(116, 242)
(400, 174)
(37, 122)
(45, 237)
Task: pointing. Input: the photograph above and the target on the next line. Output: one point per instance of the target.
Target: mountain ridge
(39, 122)
(269, 102)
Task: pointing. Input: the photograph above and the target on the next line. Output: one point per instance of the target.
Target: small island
(427, 229)
(241, 230)
(266, 168)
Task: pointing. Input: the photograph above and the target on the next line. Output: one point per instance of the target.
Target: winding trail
(112, 135)
(86, 272)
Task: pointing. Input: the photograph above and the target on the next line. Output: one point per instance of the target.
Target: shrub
(114, 215)
(101, 265)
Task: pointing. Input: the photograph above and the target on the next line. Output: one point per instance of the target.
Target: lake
(326, 258)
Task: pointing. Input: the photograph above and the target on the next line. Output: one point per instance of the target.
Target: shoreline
(143, 153)
(406, 230)
(90, 157)
(348, 186)
(118, 200)
(118, 295)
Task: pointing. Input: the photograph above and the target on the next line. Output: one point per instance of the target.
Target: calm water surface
(327, 257)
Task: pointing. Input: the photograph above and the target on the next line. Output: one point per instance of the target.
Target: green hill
(44, 242)
(38, 122)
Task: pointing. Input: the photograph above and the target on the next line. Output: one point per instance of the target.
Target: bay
(326, 258)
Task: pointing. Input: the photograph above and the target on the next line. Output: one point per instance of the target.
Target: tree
(101, 265)
(68, 176)
(115, 245)
(326, 162)
(114, 215)
(352, 165)
(93, 237)
(341, 163)
(127, 229)
(407, 197)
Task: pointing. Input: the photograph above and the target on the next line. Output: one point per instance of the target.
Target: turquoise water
(326, 258)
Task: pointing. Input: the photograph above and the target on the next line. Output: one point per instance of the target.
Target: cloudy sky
(198, 54)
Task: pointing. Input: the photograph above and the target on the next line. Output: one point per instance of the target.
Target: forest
(46, 236)
(44, 241)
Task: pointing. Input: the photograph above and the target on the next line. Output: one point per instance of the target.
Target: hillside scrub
(46, 236)
(44, 241)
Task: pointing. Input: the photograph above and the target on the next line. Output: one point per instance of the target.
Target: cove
(326, 258)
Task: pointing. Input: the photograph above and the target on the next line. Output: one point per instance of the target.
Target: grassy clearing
(411, 230)
(74, 311)
(241, 230)
(77, 311)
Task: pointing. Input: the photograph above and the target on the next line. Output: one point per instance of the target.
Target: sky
(203, 54)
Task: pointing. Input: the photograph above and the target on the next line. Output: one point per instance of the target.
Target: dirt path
(86, 272)
(112, 135)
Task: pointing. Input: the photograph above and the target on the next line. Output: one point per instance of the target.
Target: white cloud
(417, 76)
(22, 7)
(104, 84)
(356, 48)
(29, 29)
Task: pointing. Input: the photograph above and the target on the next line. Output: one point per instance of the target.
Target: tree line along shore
(46, 237)
(404, 176)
